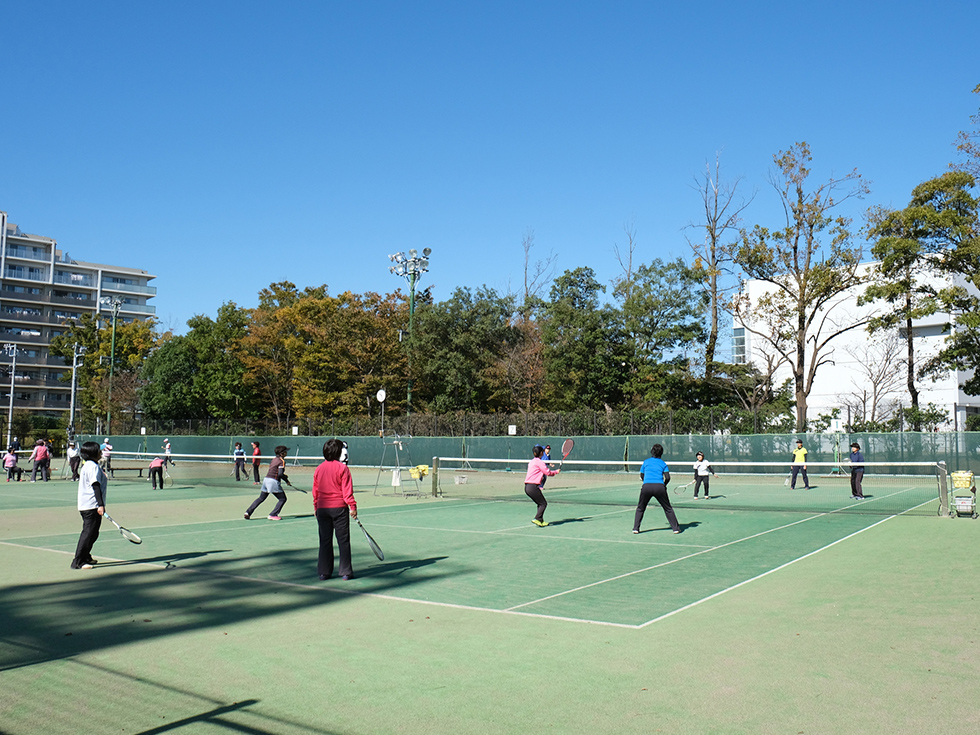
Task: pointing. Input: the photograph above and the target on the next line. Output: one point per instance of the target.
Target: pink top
(156, 462)
(333, 487)
(536, 469)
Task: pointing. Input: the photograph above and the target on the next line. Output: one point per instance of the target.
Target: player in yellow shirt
(799, 465)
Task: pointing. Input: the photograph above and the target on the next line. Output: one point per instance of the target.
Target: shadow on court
(399, 567)
(168, 559)
(125, 604)
(563, 521)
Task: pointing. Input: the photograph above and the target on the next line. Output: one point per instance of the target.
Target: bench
(127, 468)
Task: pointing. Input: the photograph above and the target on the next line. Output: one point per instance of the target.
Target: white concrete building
(40, 288)
(859, 373)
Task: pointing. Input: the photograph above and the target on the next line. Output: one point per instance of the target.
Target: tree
(219, 382)
(662, 311)
(916, 248)
(805, 277)
(134, 341)
(348, 349)
(943, 216)
(871, 403)
(968, 144)
(271, 348)
(713, 257)
(584, 345)
(169, 373)
(460, 343)
(536, 276)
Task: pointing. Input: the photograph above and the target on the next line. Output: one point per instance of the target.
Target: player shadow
(398, 567)
(167, 559)
(570, 520)
(666, 529)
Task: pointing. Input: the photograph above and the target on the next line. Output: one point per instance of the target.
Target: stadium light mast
(11, 350)
(115, 302)
(411, 268)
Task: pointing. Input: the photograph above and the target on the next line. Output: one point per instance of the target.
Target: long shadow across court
(99, 610)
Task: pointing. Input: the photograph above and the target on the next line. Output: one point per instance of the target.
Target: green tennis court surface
(477, 621)
(585, 566)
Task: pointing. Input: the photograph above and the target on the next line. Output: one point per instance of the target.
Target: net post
(435, 477)
(941, 476)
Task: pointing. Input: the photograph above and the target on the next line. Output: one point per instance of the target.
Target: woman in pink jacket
(537, 470)
(334, 506)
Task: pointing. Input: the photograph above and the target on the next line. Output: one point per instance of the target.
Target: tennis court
(475, 616)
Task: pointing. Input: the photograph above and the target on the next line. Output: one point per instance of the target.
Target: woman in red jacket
(334, 506)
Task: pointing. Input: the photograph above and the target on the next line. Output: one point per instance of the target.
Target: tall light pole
(11, 350)
(79, 350)
(411, 267)
(115, 302)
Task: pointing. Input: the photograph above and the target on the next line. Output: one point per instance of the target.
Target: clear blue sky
(224, 145)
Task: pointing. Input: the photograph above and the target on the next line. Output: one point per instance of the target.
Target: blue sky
(225, 145)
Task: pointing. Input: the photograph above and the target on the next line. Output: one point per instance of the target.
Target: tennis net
(889, 488)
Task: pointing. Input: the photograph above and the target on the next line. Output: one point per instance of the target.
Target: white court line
(665, 563)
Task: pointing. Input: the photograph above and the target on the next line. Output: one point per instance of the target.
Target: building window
(738, 346)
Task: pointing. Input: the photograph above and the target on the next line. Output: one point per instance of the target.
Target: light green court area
(479, 622)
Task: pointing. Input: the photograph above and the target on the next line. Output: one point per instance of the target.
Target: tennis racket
(566, 449)
(168, 481)
(291, 485)
(126, 533)
(680, 488)
(371, 542)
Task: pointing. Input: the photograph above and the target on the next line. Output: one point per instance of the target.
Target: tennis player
(156, 472)
(702, 473)
(655, 475)
(256, 459)
(239, 455)
(537, 470)
(799, 465)
(857, 472)
(92, 486)
(334, 506)
(272, 484)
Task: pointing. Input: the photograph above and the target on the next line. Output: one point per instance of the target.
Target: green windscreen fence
(960, 450)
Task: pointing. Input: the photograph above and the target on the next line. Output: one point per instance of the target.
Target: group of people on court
(333, 502)
(655, 475)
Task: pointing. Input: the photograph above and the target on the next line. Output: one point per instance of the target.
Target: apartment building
(42, 287)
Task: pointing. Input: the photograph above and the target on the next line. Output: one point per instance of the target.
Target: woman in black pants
(655, 475)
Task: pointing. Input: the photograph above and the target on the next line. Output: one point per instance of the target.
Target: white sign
(295, 431)
(143, 430)
(512, 430)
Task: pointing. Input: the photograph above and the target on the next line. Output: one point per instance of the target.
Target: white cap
(166, 440)
(106, 439)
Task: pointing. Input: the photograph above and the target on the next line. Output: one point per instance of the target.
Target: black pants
(255, 470)
(73, 464)
(856, 477)
(91, 523)
(332, 521)
(698, 479)
(534, 493)
(797, 469)
(656, 490)
(240, 469)
(280, 496)
(156, 477)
